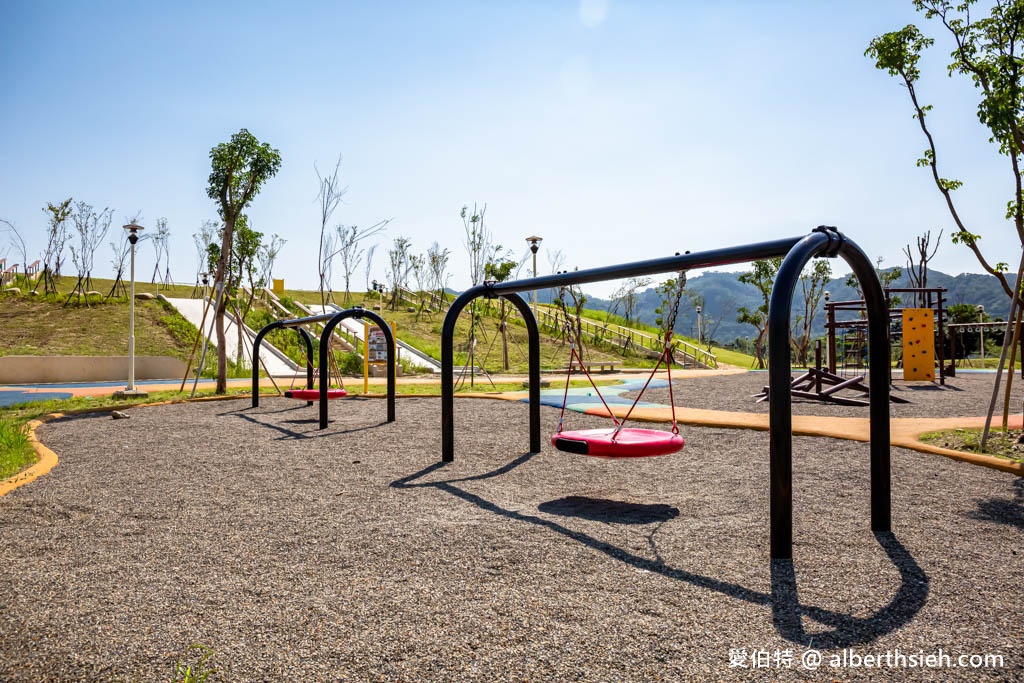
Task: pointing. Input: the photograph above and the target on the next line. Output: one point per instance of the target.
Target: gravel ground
(350, 554)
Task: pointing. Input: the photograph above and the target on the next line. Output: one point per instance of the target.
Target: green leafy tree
(762, 276)
(886, 276)
(988, 51)
(57, 236)
(500, 271)
(239, 168)
(671, 292)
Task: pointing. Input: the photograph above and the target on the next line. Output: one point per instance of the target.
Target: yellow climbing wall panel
(918, 345)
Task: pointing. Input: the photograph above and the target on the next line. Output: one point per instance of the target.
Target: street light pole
(981, 333)
(534, 246)
(700, 334)
(130, 390)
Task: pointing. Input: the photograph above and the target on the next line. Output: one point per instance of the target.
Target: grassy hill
(47, 325)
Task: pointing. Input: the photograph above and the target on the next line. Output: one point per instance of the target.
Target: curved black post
(308, 339)
(325, 371)
(878, 382)
(277, 325)
(448, 374)
(533, 355)
(828, 242)
(780, 406)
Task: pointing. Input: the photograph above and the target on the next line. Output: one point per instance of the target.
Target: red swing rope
(574, 355)
(671, 397)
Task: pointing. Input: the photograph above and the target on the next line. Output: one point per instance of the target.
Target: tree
(248, 243)
(479, 248)
(420, 274)
(91, 228)
(369, 264)
(885, 276)
(349, 250)
(329, 195)
(625, 297)
(160, 241)
(813, 281)
(500, 271)
(18, 242)
(671, 292)
(267, 256)
(437, 264)
(398, 268)
(240, 167)
(988, 51)
(918, 272)
(762, 276)
(56, 239)
(573, 317)
(206, 236)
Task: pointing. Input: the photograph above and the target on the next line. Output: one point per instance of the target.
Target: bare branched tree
(437, 264)
(421, 276)
(267, 256)
(398, 268)
(624, 298)
(918, 272)
(350, 251)
(160, 240)
(208, 233)
(327, 254)
(369, 264)
(91, 227)
(17, 242)
(329, 196)
(556, 261)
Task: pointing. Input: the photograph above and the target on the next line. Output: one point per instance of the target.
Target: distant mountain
(723, 294)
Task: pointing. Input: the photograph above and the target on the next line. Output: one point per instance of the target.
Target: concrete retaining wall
(58, 369)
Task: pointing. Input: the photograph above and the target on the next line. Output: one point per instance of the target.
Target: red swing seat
(314, 394)
(627, 443)
(618, 442)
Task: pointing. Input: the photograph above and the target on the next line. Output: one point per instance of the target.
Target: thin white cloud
(593, 12)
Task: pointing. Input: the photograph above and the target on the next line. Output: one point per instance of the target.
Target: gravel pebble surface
(351, 554)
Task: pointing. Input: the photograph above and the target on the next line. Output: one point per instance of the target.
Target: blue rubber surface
(581, 398)
(10, 398)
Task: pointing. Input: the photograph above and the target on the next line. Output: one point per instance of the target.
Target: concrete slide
(274, 361)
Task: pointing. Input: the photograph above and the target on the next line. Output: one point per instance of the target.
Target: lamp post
(130, 390)
(700, 332)
(981, 332)
(534, 246)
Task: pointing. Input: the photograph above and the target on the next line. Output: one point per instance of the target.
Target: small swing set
(618, 441)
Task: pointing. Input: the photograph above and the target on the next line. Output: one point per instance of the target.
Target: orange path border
(905, 432)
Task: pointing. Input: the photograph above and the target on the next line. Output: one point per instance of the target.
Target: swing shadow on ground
(1009, 511)
(784, 600)
(291, 434)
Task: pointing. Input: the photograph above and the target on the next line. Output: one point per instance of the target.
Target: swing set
(324, 392)
(824, 241)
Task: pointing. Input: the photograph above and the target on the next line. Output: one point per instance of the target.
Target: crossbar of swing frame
(797, 252)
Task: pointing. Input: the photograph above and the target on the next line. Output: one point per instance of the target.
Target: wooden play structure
(918, 326)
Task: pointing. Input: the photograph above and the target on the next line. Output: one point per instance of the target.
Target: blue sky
(617, 131)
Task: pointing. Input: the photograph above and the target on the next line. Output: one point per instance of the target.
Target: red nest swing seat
(314, 394)
(618, 441)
